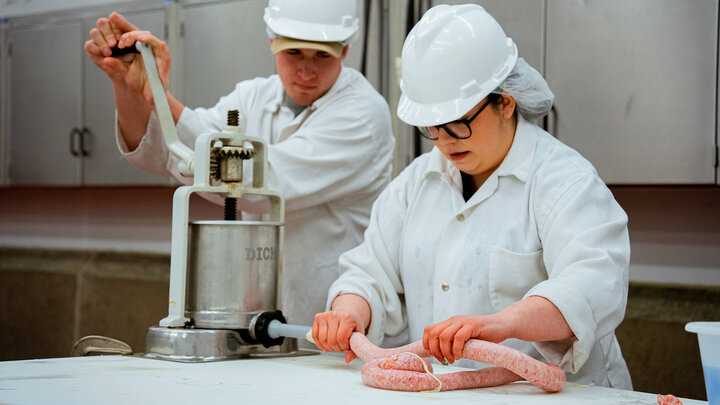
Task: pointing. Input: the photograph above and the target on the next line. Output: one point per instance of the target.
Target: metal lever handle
(185, 155)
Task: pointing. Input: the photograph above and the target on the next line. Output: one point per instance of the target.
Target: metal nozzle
(270, 328)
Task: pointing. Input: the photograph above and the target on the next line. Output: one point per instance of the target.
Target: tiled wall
(49, 299)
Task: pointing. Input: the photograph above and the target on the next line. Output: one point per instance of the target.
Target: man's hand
(126, 72)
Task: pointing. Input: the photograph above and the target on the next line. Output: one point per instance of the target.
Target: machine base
(204, 345)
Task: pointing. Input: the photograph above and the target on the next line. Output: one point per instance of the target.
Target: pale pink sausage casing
(513, 365)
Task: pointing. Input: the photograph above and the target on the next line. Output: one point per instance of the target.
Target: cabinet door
(45, 104)
(224, 43)
(103, 165)
(635, 86)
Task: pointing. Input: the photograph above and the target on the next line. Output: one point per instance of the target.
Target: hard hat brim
(310, 31)
(281, 43)
(427, 115)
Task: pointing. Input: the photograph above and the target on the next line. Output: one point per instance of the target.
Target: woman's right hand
(332, 330)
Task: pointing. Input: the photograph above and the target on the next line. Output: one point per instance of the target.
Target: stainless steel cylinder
(232, 272)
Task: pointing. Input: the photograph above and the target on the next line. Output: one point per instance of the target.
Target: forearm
(354, 305)
(133, 112)
(534, 319)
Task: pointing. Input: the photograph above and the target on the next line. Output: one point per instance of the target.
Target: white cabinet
(60, 125)
(635, 82)
(223, 43)
(636, 86)
(45, 114)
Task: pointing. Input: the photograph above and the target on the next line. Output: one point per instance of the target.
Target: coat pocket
(512, 275)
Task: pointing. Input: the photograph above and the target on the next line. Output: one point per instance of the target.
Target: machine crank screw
(233, 118)
(230, 209)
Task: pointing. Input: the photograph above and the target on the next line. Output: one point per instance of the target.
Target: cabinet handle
(550, 122)
(74, 134)
(83, 133)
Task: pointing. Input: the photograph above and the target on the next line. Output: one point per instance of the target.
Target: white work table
(318, 379)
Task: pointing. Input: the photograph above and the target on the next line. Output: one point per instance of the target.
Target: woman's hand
(331, 330)
(534, 319)
(445, 340)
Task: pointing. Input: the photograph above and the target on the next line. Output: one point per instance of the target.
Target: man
(328, 132)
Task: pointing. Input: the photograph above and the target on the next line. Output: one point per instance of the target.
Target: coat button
(460, 217)
(445, 286)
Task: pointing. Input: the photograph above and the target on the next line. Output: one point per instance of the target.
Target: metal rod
(185, 155)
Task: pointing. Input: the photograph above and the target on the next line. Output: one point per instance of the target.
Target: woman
(500, 233)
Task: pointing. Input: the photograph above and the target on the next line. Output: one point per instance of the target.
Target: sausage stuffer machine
(225, 275)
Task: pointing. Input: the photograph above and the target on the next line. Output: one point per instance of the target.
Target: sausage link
(402, 380)
(513, 365)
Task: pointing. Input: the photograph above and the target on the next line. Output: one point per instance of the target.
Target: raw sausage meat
(376, 373)
(387, 369)
(668, 399)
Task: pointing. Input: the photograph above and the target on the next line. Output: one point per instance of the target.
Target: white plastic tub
(709, 340)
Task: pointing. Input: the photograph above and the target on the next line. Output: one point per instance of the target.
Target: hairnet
(532, 95)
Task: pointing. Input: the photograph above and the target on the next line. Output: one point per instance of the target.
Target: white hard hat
(453, 58)
(312, 20)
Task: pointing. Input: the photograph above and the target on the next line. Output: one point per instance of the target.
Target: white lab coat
(542, 224)
(329, 163)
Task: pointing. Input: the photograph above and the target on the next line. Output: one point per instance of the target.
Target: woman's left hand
(533, 319)
(445, 340)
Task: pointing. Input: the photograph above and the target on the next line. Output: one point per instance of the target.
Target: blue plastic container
(709, 340)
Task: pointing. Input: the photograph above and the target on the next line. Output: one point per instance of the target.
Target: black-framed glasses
(458, 129)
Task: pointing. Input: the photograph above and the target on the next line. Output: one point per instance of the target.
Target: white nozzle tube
(276, 329)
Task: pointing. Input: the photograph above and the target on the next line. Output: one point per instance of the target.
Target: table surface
(316, 379)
